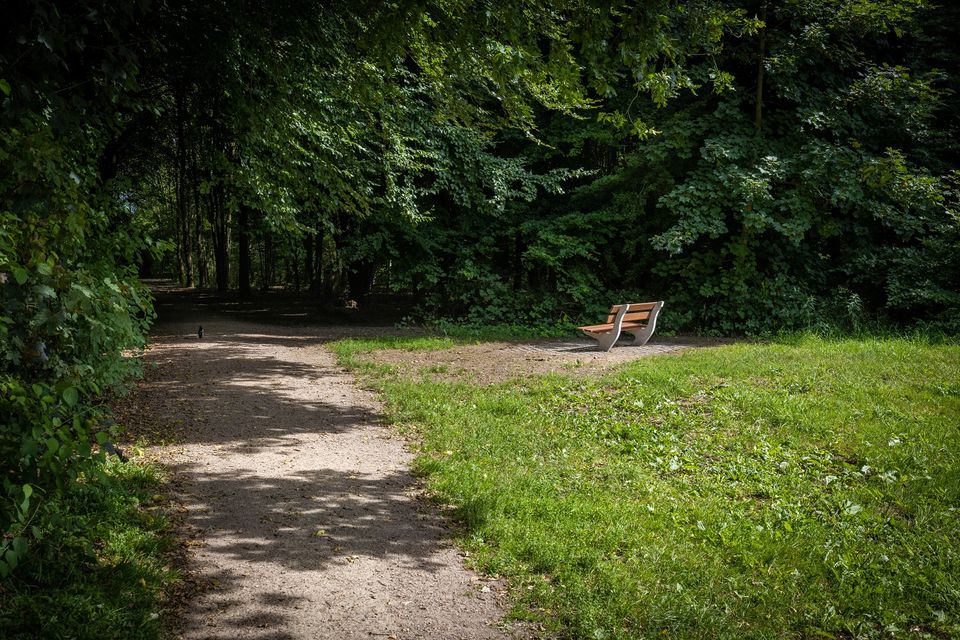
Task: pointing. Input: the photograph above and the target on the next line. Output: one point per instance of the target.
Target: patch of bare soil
(493, 362)
(304, 520)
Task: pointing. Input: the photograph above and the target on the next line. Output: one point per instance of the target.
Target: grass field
(802, 488)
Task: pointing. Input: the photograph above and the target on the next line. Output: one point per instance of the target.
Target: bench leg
(641, 336)
(605, 341)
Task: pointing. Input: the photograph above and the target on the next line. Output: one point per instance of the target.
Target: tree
(806, 176)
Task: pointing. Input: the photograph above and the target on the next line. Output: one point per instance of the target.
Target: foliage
(749, 162)
(841, 184)
(829, 186)
(793, 489)
(104, 572)
(70, 304)
(355, 143)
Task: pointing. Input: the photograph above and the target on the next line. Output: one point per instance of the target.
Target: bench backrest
(636, 311)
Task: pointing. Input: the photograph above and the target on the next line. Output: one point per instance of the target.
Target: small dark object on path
(200, 332)
(113, 450)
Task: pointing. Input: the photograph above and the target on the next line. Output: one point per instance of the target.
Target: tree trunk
(243, 241)
(314, 262)
(761, 51)
(183, 214)
(319, 283)
(308, 271)
(220, 221)
(177, 236)
(360, 279)
(293, 267)
(198, 243)
(267, 268)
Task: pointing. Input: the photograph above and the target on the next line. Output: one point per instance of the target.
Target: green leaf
(4, 87)
(70, 396)
(20, 275)
(29, 447)
(44, 269)
(20, 546)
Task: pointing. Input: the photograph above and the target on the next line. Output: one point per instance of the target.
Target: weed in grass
(801, 488)
(435, 369)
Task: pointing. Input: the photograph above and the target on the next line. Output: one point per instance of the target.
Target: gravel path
(308, 521)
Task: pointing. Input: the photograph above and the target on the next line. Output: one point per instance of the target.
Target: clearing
(303, 518)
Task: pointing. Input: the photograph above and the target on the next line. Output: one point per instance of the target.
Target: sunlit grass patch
(801, 488)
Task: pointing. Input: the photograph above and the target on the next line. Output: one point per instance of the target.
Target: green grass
(101, 570)
(350, 351)
(798, 489)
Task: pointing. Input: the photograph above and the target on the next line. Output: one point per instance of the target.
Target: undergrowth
(99, 569)
(806, 487)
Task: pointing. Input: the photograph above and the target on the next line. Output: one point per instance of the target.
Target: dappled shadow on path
(233, 394)
(298, 500)
(312, 520)
(304, 520)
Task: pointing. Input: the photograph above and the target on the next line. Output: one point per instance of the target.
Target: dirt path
(308, 522)
(493, 362)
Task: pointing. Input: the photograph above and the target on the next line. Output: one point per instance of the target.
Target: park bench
(636, 318)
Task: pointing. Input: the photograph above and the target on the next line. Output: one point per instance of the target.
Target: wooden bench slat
(597, 328)
(635, 306)
(632, 308)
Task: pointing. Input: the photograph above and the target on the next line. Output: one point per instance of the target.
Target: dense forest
(798, 167)
(760, 165)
